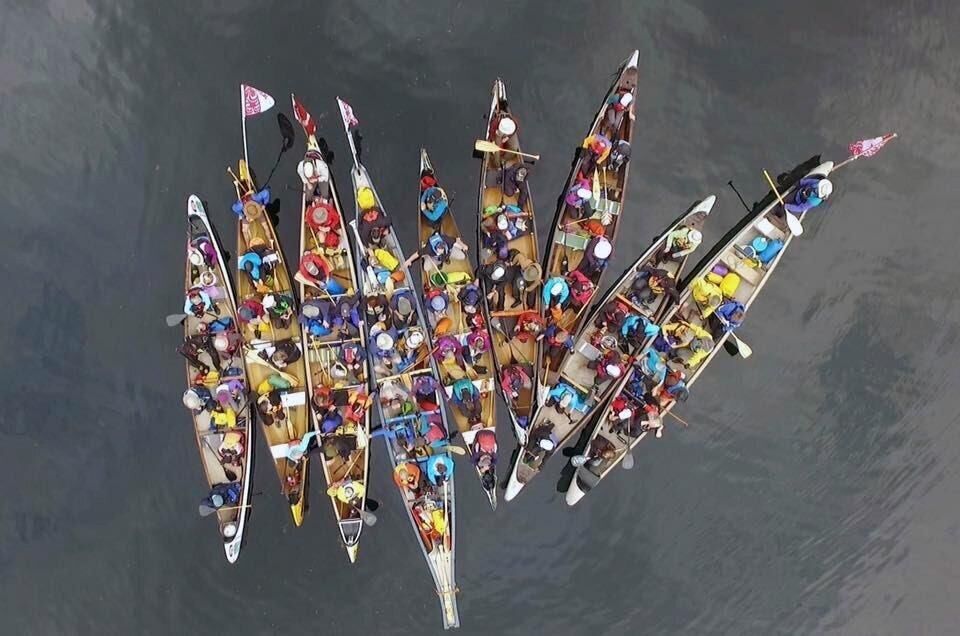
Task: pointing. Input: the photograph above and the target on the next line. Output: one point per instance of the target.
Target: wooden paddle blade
(485, 146)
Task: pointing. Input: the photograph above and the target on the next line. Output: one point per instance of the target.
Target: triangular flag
(302, 116)
(255, 101)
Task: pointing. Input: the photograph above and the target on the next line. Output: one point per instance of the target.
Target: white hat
(230, 530)
(269, 301)
(695, 236)
(221, 342)
(196, 257)
(414, 339)
(603, 248)
(583, 193)
(546, 444)
(556, 289)
(502, 222)
(384, 341)
(824, 188)
(308, 168)
(624, 414)
(626, 99)
(498, 272)
(613, 371)
(506, 127)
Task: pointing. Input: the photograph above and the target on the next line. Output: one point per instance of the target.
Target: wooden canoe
(415, 429)
(453, 333)
(336, 340)
(281, 387)
(571, 236)
(598, 341)
(226, 452)
(766, 220)
(511, 354)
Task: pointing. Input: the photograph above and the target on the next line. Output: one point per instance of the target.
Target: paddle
(796, 227)
(366, 516)
(206, 511)
(742, 347)
(488, 146)
(175, 319)
(251, 356)
(286, 129)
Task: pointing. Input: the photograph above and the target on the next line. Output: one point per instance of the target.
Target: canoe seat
(298, 398)
(588, 351)
(571, 240)
(735, 264)
(608, 206)
(768, 229)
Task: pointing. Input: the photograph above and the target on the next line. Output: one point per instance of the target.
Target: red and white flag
(302, 116)
(869, 147)
(255, 101)
(347, 114)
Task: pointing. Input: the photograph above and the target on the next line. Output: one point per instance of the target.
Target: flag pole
(886, 138)
(243, 120)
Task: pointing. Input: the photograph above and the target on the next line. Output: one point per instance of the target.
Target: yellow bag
(365, 198)
(714, 278)
(386, 259)
(729, 284)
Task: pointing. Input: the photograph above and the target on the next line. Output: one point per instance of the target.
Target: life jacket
(581, 287)
(433, 472)
(486, 441)
(224, 419)
(250, 310)
(407, 475)
(436, 242)
(310, 258)
(255, 261)
(438, 199)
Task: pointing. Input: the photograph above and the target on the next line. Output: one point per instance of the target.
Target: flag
(255, 101)
(347, 114)
(302, 116)
(869, 147)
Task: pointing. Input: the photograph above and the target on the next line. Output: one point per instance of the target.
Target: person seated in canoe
(496, 276)
(581, 290)
(651, 421)
(191, 348)
(673, 389)
(448, 357)
(223, 496)
(281, 309)
(232, 389)
(358, 401)
(652, 371)
(635, 330)
(407, 476)
(621, 412)
(251, 263)
(323, 400)
(558, 342)
(516, 182)
(607, 367)
(466, 397)
(345, 317)
(543, 439)
(513, 380)
(374, 224)
(433, 201)
(810, 192)
(564, 399)
(611, 316)
(227, 343)
(651, 282)
(619, 156)
(596, 256)
(330, 422)
(503, 127)
(410, 344)
(342, 446)
(530, 326)
(556, 293)
(314, 317)
(692, 355)
(527, 277)
(222, 417)
(198, 303)
(251, 313)
(272, 412)
(250, 210)
(681, 242)
(730, 315)
(202, 253)
(198, 398)
(618, 104)
(678, 334)
(578, 200)
(384, 346)
(281, 354)
(475, 346)
(324, 223)
(469, 297)
(315, 175)
(347, 491)
(596, 149)
(377, 310)
(440, 249)
(484, 455)
(316, 271)
(425, 389)
(403, 312)
(600, 451)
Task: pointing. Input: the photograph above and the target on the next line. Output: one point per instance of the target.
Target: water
(815, 491)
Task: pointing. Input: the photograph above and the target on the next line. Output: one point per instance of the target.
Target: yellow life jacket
(226, 419)
(365, 198)
(386, 259)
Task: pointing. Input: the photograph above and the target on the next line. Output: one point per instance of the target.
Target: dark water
(816, 489)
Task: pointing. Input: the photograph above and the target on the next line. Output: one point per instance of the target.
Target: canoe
(583, 383)
(732, 253)
(226, 451)
(514, 357)
(460, 340)
(574, 234)
(405, 379)
(336, 340)
(267, 309)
